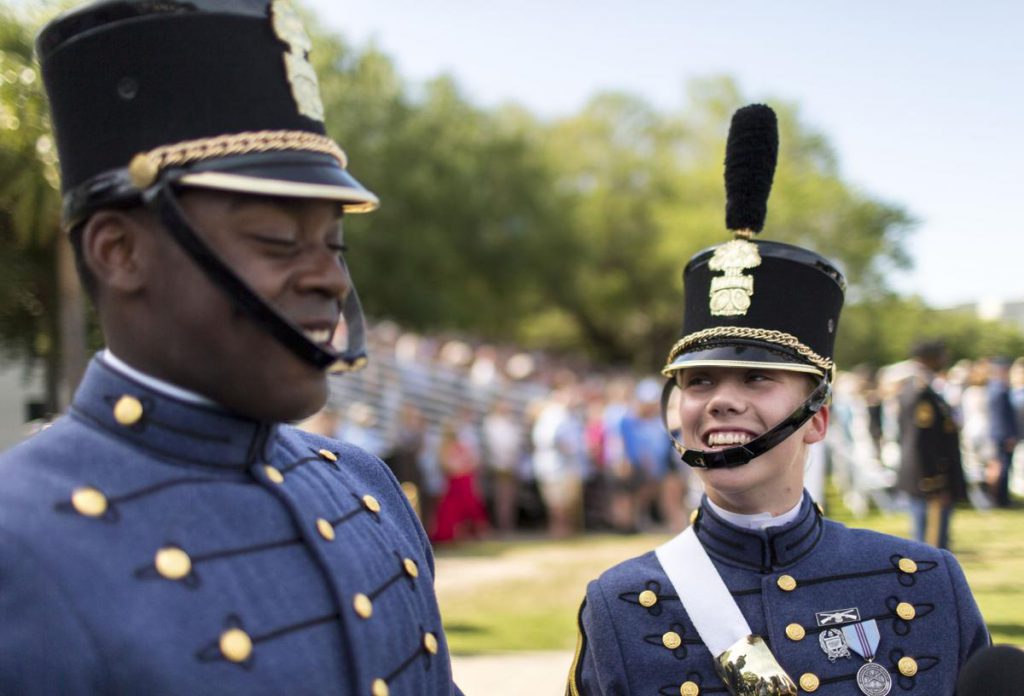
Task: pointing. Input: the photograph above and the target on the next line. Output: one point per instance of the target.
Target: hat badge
(731, 292)
(301, 76)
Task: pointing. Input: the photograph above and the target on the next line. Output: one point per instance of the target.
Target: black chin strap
(738, 456)
(163, 201)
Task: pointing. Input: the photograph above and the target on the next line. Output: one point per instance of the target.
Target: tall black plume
(750, 157)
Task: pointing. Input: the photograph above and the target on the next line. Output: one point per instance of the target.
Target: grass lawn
(524, 594)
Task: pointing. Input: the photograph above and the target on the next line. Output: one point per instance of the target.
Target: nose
(325, 273)
(725, 399)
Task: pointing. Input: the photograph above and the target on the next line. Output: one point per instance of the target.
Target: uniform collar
(158, 420)
(763, 550)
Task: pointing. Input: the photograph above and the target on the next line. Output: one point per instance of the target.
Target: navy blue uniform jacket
(152, 546)
(781, 579)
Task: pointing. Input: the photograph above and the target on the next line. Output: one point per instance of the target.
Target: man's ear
(817, 426)
(113, 249)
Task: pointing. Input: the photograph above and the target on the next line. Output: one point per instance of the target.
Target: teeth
(728, 438)
(318, 335)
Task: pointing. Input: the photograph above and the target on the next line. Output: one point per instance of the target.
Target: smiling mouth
(321, 337)
(727, 438)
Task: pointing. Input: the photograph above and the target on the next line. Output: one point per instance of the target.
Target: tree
(42, 313)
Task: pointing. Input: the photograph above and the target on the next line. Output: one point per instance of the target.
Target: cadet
(762, 594)
(930, 469)
(170, 535)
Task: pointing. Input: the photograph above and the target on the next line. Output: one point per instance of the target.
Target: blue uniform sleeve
(598, 668)
(973, 632)
(45, 648)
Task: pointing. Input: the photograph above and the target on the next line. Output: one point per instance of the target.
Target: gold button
(235, 645)
(907, 666)
(172, 563)
(809, 682)
(411, 569)
(273, 474)
(905, 611)
(325, 528)
(786, 583)
(689, 689)
(671, 640)
(363, 606)
(88, 501)
(379, 688)
(648, 598)
(795, 631)
(693, 520)
(360, 362)
(128, 410)
(371, 503)
(907, 565)
(142, 170)
(430, 643)
(328, 455)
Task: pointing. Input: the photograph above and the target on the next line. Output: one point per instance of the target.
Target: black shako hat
(754, 303)
(218, 94)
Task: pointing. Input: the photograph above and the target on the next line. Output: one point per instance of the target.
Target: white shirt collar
(759, 520)
(153, 383)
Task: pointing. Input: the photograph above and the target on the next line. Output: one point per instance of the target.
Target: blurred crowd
(490, 440)
(986, 399)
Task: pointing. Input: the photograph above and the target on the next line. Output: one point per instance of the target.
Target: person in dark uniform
(762, 594)
(170, 535)
(1003, 426)
(931, 472)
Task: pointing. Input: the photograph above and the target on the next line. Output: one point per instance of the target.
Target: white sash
(702, 591)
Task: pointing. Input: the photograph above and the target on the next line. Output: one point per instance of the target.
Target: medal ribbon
(863, 638)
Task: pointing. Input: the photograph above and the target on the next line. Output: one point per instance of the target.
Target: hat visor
(292, 175)
(745, 356)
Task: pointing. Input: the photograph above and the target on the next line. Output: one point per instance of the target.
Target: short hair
(929, 350)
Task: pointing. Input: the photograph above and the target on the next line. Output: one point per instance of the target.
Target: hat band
(146, 166)
(780, 338)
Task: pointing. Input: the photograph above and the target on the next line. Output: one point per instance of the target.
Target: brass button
(411, 569)
(809, 682)
(647, 598)
(689, 689)
(273, 474)
(907, 666)
(786, 583)
(795, 631)
(328, 455)
(88, 501)
(142, 170)
(905, 611)
(430, 643)
(128, 410)
(235, 645)
(693, 520)
(379, 688)
(360, 362)
(325, 528)
(371, 503)
(671, 640)
(907, 566)
(172, 563)
(363, 606)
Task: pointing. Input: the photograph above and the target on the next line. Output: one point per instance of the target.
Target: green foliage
(568, 235)
(29, 198)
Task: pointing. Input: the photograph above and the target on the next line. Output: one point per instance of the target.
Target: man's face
(723, 407)
(288, 251)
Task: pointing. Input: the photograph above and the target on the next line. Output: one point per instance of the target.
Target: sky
(923, 101)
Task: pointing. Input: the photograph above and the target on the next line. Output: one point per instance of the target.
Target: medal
(862, 638)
